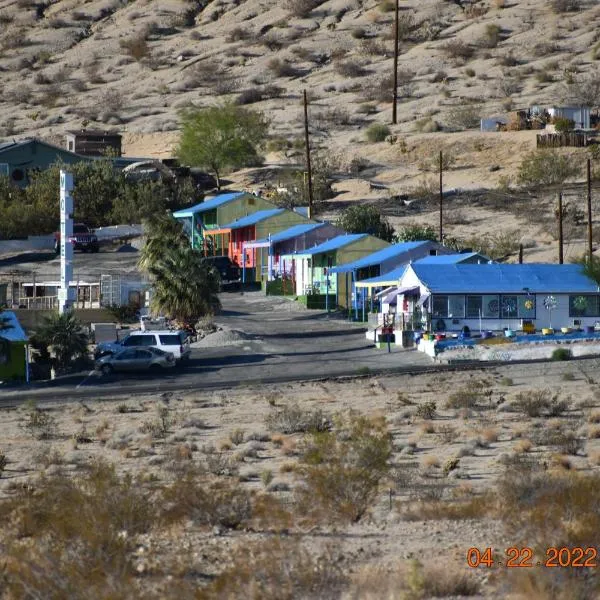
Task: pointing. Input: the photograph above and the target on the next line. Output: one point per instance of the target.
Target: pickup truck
(83, 239)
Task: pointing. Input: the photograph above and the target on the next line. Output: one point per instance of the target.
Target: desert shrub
(158, 427)
(219, 463)
(359, 33)
(293, 419)
(205, 502)
(426, 125)
(546, 167)
(562, 354)
(437, 582)
(470, 72)
(464, 398)
(278, 569)
(237, 34)
(70, 539)
(350, 68)
(377, 132)
(136, 46)
(3, 462)
(533, 402)
(458, 49)
(426, 411)
(249, 96)
(492, 35)
(342, 469)
(237, 436)
(464, 117)
(40, 424)
(302, 8)
(564, 124)
(563, 6)
(282, 68)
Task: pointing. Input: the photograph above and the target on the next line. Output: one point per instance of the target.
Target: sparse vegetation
(377, 132)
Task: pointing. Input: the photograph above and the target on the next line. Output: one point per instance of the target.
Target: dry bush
(379, 89)
(563, 6)
(464, 398)
(73, 538)
(136, 46)
(293, 419)
(238, 34)
(464, 117)
(282, 68)
(350, 68)
(457, 49)
(534, 402)
(341, 470)
(278, 569)
(302, 8)
(18, 94)
(40, 424)
(427, 410)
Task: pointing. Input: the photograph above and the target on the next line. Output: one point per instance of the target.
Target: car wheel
(95, 249)
(155, 369)
(107, 369)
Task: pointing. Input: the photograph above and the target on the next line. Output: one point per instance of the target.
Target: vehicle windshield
(80, 229)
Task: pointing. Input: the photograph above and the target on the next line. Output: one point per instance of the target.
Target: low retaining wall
(34, 242)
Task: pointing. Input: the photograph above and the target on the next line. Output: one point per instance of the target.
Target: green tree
(63, 336)
(366, 218)
(546, 167)
(185, 286)
(414, 232)
(221, 137)
(591, 268)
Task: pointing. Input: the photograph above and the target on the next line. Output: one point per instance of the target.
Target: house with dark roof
(289, 241)
(498, 296)
(246, 229)
(312, 267)
(93, 142)
(19, 158)
(215, 213)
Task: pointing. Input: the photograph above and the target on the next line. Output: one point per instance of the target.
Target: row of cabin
(312, 258)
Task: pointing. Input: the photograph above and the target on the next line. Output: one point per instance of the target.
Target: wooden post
(589, 208)
(308, 166)
(520, 254)
(441, 201)
(395, 95)
(560, 229)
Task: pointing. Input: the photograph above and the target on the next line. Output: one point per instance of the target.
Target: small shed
(291, 240)
(93, 142)
(254, 226)
(580, 115)
(494, 123)
(13, 349)
(312, 266)
(216, 212)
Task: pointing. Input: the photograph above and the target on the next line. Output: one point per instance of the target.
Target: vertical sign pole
(560, 229)
(65, 297)
(395, 100)
(441, 201)
(308, 165)
(589, 208)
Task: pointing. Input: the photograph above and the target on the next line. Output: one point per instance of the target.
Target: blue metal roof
(505, 278)
(207, 205)
(292, 232)
(390, 277)
(376, 258)
(333, 244)
(253, 219)
(15, 332)
(448, 259)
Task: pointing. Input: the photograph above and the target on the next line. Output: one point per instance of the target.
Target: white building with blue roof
(493, 296)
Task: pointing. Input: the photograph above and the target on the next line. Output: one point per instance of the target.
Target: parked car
(83, 239)
(135, 359)
(174, 341)
(229, 272)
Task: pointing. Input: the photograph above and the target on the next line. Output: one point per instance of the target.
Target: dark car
(83, 239)
(229, 272)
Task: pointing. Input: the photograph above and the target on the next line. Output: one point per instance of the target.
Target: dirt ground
(234, 422)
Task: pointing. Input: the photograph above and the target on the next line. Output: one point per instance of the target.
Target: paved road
(283, 344)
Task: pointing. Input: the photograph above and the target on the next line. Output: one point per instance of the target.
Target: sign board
(66, 295)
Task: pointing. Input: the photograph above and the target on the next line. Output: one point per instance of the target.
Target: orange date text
(524, 557)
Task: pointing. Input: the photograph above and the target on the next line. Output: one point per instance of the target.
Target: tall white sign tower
(66, 295)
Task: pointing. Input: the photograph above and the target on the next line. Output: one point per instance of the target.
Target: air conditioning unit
(576, 322)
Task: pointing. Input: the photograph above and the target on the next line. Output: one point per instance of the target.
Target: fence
(557, 140)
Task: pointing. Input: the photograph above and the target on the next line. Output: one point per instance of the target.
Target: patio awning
(392, 296)
(257, 244)
(423, 299)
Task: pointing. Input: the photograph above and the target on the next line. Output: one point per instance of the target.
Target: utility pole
(308, 167)
(589, 208)
(396, 41)
(441, 200)
(560, 229)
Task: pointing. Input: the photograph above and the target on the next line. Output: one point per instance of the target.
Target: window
(18, 175)
(127, 355)
(140, 340)
(440, 306)
(143, 354)
(491, 306)
(474, 307)
(526, 307)
(508, 307)
(584, 305)
(170, 340)
(456, 307)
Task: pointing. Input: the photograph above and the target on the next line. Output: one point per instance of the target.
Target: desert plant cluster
(360, 488)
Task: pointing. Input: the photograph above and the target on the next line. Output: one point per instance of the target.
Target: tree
(366, 218)
(413, 232)
(590, 268)
(546, 167)
(62, 335)
(221, 137)
(185, 286)
(584, 91)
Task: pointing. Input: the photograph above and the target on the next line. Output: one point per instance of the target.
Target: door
(143, 359)
(125, 361)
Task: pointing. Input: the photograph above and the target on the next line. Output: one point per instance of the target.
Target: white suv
(168, 340)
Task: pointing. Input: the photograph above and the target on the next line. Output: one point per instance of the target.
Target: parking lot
(279, 341)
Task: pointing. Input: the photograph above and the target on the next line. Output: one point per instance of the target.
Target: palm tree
(63, 335)
(591, 268)
(185, 287)
(162, 232)
(5, 323)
